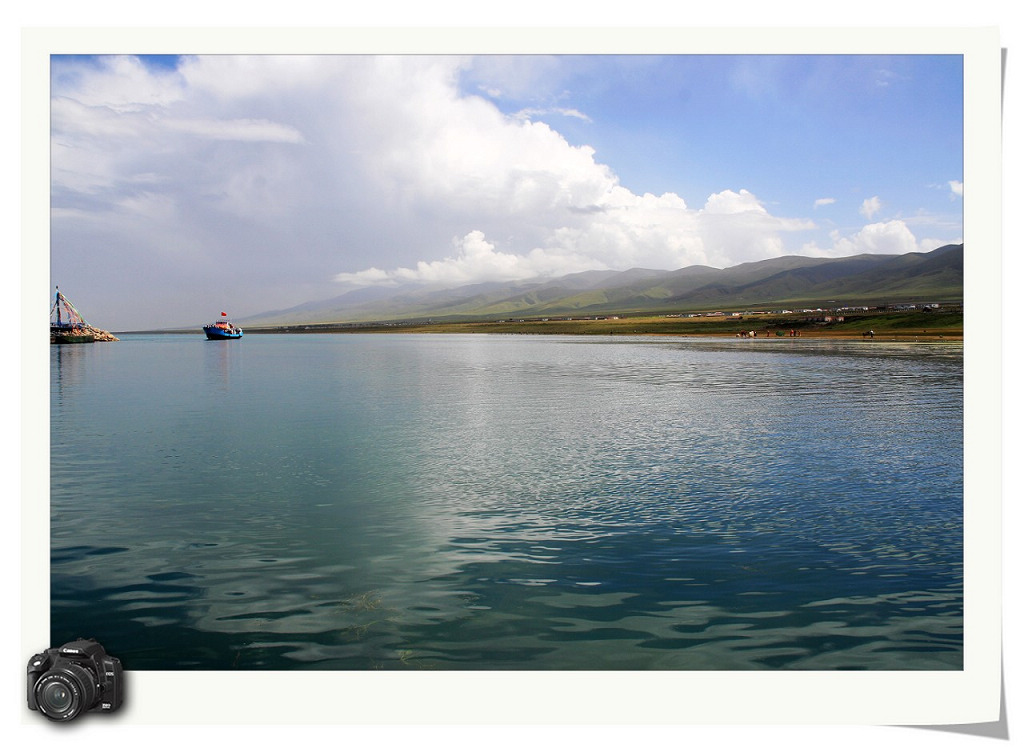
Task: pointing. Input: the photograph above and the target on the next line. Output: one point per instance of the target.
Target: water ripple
(418, 503)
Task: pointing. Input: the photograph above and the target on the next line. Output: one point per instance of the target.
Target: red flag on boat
(223, 314)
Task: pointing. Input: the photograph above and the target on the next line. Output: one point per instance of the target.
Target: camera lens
(65, 692)
(56, 697)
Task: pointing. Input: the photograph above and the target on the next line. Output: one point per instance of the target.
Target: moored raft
(69, 327)
(69, 334)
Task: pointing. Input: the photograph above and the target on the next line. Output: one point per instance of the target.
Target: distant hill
(785, 282)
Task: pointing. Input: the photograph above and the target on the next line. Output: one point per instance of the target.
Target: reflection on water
(474, 502)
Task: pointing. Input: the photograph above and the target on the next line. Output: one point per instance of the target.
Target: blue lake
(438, 502)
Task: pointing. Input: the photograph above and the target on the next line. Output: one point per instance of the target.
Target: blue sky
(183, 186)
(791, 127)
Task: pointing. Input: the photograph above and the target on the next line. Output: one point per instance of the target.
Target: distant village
(819, 316)
(826, 315)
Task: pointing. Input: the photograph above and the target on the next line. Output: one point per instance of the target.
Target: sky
(183, 186)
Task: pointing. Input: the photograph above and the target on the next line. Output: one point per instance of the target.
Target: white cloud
(534, 112)
(236, 130)
(871, 207)
(823, 202)
(893, 237)
(619, 231)
(550, 206)
(956, 189)
(735, 227)
(367, 277)
(474, 258)
(730, 202)
(883, 77)
(930, 244)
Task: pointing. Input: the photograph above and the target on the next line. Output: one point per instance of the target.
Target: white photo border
(770, 697)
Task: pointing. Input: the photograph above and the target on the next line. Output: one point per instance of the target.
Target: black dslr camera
(76, 677)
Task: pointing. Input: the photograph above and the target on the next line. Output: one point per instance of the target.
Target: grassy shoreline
(900, 325)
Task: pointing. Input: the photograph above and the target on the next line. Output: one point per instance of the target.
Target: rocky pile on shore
(100, 334)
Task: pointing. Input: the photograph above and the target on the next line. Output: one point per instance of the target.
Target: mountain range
(784, 282)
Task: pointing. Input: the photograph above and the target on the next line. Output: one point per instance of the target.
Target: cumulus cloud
(892, 237)
(735, 227)
(871, 207)
(881, 237)
(475, 259)
(956, 189)
(620, 231)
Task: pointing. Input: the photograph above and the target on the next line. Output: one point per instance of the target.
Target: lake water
(433, 502)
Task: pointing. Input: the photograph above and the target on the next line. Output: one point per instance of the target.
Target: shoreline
(928, 326)
(901, 326)
(892, 336)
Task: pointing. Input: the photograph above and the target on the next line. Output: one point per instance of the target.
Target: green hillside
(786, 282)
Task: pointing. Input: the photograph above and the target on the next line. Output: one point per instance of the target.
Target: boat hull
(213, 332)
